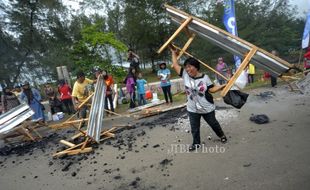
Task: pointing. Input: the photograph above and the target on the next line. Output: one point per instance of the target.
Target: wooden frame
(218, 36)
(16, 122)
(93, 133)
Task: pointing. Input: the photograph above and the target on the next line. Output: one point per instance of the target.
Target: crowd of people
(198, 89)
(12, 97)
(64, 99)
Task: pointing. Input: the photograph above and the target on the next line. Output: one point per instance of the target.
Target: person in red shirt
(109, 82)
(65, 96)
(307, 61)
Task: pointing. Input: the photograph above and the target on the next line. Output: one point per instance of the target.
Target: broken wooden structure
(233, 44)
(16, 122)
(94, 132)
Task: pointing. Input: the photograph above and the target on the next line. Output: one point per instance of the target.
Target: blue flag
(230, 23)
(305, 36)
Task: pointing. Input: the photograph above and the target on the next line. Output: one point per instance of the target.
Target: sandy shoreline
(269, 156)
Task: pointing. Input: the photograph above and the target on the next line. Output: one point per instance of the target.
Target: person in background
(222, 68)
(273, 79)
(307, 61)
(251, 73)
(65, 96)
(54, 102)
(198, 87)
(109, 87)
(133, 59)
(81, 90)
(8, 100)
(130, 82)
(109, 92)
(164, 75)
(140, 89)
(18, 91)
(32, 97)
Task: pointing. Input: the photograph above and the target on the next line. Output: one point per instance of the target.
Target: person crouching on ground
(199, 100)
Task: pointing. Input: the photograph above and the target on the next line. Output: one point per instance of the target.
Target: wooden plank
(183, 25)
(26, 133)
(75, 121)
(86, 100)
(243, 65)
(68, 149)
(230, 35)
(85, 143)
(290, 85)
(67, 123)
(114, 113)
(108, 134)
(80, 151)
(201, 62)
(187, 44)
(37, 133)
(78, 135)
(139, 108)
(69, 144)
(73, 152)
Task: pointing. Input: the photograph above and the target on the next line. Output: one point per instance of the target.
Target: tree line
(36, 36)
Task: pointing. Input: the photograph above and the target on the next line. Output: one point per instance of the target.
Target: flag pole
(300, 54)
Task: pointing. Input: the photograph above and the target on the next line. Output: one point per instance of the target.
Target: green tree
(95, 49)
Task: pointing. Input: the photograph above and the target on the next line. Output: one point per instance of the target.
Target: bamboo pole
(243, 65)
(174, 35)
(201, 62)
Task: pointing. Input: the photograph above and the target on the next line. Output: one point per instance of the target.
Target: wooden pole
(86, 100)
(174, 35)
(190, 40)
(215, 71)
(243, 65)
(69, 144)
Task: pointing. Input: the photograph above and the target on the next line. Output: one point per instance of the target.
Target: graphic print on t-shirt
(194, 92)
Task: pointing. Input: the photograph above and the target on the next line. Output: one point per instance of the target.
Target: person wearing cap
(198, 87)
(164, 75)
(8, 100)
(33, 98)
(80, 92)
(222, 68)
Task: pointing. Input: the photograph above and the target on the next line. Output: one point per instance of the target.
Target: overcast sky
(303, 6)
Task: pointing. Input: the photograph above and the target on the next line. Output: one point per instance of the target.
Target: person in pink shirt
(130, 82)
(222, 68)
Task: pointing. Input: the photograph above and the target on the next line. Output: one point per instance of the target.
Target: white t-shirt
(199, 100)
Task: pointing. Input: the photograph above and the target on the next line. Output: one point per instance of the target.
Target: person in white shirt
(198, 87)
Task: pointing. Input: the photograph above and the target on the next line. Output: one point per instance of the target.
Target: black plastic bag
(235, 98)
(260, 119)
